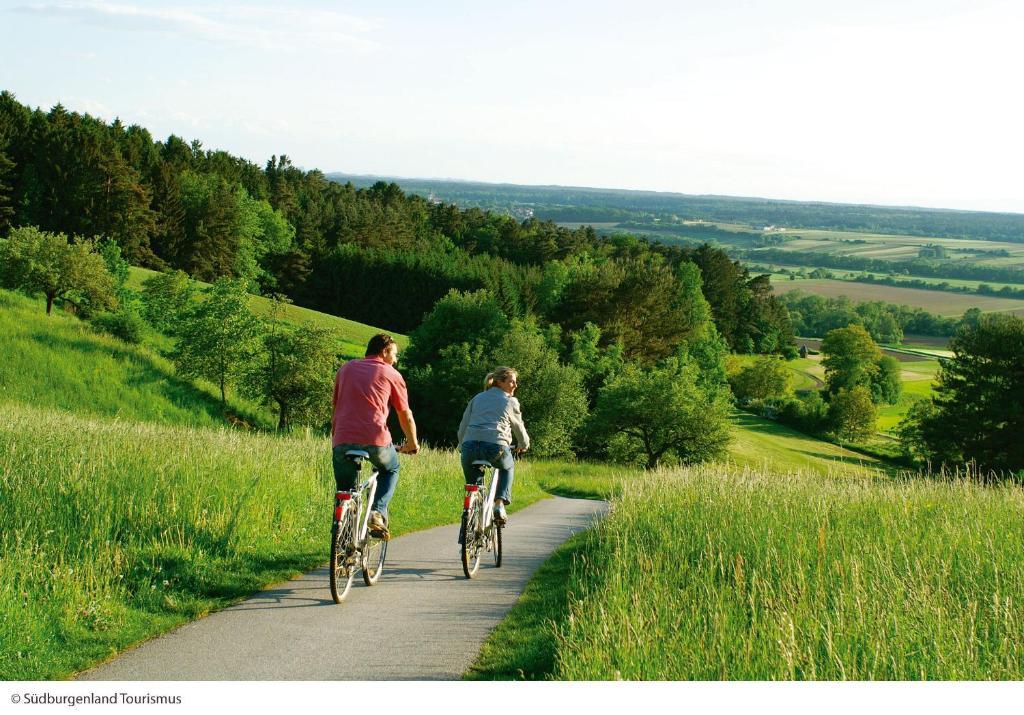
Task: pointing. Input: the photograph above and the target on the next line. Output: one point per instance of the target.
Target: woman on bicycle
(491, 421)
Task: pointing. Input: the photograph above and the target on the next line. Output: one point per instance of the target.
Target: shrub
(124, 323)
(764, 379)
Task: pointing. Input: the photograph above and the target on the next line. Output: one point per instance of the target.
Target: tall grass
(732, 573)
(112, 531)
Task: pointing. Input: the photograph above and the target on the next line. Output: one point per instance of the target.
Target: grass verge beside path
(748, 574)
(721, 572)
(112, 532)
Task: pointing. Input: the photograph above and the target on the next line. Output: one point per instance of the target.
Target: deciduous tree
(217, 336)
(850, 358)
(662, 411)
(852, 414)
(293, 370)
(35, 261)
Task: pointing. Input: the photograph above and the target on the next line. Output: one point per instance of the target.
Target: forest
(375, 254)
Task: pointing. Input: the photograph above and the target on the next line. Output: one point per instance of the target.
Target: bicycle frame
(488, 502)
(343, 499)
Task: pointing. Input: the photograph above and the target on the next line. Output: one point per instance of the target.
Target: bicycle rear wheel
(374, 551)
(471, 542)
(496, 544)
(344, 558)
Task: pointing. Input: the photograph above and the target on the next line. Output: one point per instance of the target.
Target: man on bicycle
(363, 391)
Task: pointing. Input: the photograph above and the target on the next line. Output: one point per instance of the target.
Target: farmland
(893, 247)
(934, 301)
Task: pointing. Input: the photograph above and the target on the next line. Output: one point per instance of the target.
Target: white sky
(899, 102)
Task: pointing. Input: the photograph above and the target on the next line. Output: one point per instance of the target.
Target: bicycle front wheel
(344, 558)
(472, 542)
(374, 551)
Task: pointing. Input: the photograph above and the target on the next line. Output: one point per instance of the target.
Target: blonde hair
(499, 374)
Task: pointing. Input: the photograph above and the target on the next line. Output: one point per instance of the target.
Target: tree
(464, 337)
(6, 193)
(977, 411)
(217, 336)
(765, 378)
(852, 414)
(887, 385)
(643, 304)
(663, 411)
(850, 358)
(166, 298)
(595, 364)
(35, 261)
(294, 370)
(552, 397)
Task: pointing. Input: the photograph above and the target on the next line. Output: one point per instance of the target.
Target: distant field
(595, 224)
(895, 247)
(774, 269)
(934, 301)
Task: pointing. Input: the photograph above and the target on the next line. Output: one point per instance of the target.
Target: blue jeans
(497, 454)
(385, 459)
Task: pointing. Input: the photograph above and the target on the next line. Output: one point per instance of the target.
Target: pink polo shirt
(363, 389)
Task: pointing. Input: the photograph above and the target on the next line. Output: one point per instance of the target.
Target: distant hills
(571, 203)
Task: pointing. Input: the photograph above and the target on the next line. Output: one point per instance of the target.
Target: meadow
(60, 362)
(774, 269)
(775, 573)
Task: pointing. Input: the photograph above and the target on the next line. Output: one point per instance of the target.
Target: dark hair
(378, 344)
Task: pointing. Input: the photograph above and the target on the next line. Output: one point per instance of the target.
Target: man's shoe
(378, 526)
(500, 517)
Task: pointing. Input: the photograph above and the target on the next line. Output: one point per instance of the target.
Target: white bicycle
(352, 546)
(480, 532)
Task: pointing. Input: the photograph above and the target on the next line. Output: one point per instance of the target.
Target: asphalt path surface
(422, 621)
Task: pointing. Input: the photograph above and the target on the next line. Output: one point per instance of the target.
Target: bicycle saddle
(357, 454)
(482, 463)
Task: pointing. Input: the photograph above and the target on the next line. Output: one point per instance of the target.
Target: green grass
(761, 574)
(113, 531)
(918, 378)
(59, 361)
(759, 444)
(525, 644)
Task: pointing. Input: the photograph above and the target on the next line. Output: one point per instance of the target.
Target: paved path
(424, 619)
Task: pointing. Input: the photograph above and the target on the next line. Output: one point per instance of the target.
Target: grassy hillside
(127, 508)
(756, 574)
(60, 362)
